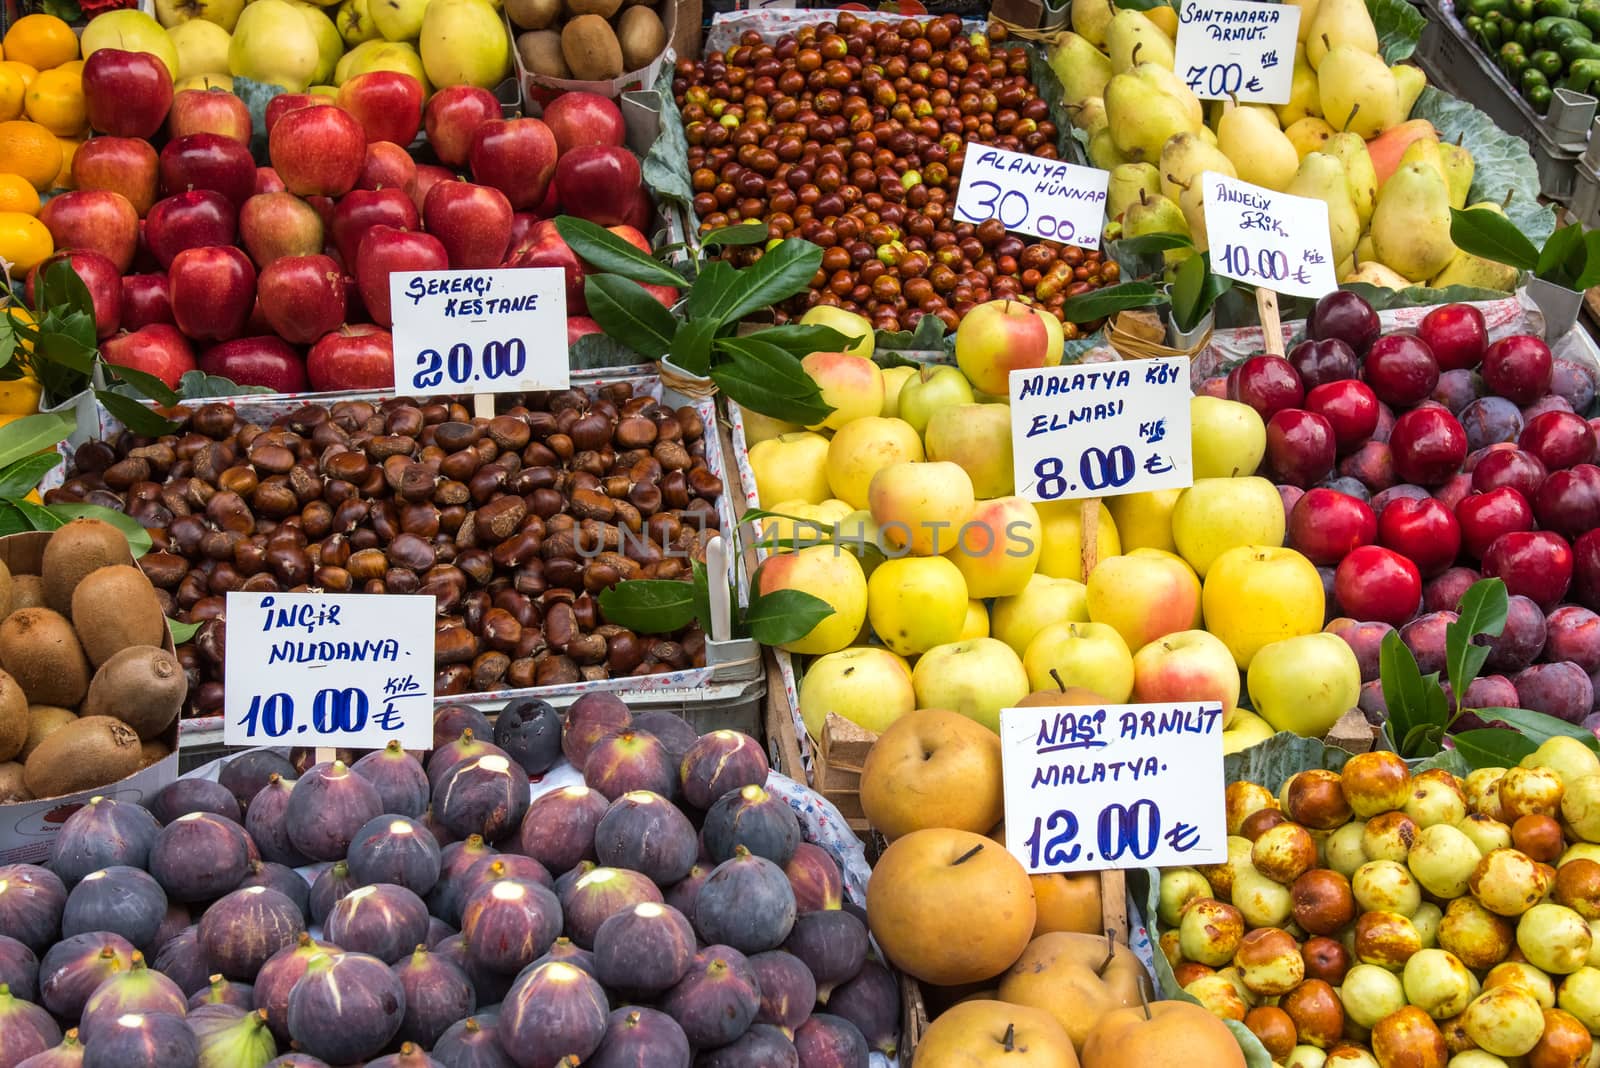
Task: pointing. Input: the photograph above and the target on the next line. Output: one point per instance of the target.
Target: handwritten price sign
(1235, 49)
(353, 670)
(1268, 239)
(1104, 429)
(502, 330)
(1123, 786)
(1043, 198)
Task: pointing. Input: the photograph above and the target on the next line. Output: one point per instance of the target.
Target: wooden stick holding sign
(1271, 324)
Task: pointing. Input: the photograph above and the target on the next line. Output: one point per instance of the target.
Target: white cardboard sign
(1042, 198)
(496, 330)
(1101, 429)
(352, 670)
(1268, 239)
(1236, 49)
(1123, 786)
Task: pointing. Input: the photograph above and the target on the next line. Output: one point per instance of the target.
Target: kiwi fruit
(641, 35)
(41, 652)
(114, 608)
(12, 787)
(153, 752)
(44, 720)
(142, 685)
(533, 14)
(91, 751)
(604, 8)
(591, 49)
(27, 591)
(13, 718)
(73, 551)
(541, 53)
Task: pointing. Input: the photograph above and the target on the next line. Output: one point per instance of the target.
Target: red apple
(157, 349)
(215, 111)
(352, 357)
(1325, 525)
(385, 249)
(283, 103)
(208, 161)
(1486, 516)
(581, 326)
(1456, 334)
(1504, 464)
(100, 220)
(274, 225)
(194, 219)
(302, 297)
(522, 224)
(1535, 563)
(213, 290)
(1401, 369)
(578, 119)
(473, 222)
(257, 361)
(387, 166)
(1300, 447)
(1586, 570)
(1428, 445)
(600, 182)
(642, 211)
(1423, 530)
(517, 157)
(453, 114)
(361, 209)
(633, 236)
(127, 94)
(1350, 407)
(267, 181)
(1378, 584)
(1518, 368)
(99, 275)
(1268, 384)
(324, 207)
(427, 177)
(545, 248)
(145, 301)
(1569, 501)
(126, 165)
(1558, 439)
(318, 151)
(387, 104)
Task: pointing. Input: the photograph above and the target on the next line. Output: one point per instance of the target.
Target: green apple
(1242, 729)
(1090, 655)
(935, 386)
(894, 378)
(356, 26)
(1044, 600)
(866, 684)
(1226, 439)
(202, 48)
(916, 602)
(1063, 537)
(1144, 520)
(1218, 514)
(975, 678)
(330, 46)
(788, 467)
(1304, 684)
(847, 323)
(978, 437)
(399, 20)
(1255, 595)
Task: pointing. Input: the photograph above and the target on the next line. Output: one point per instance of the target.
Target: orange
(19, 397)
(24, 242)
(12, 88)
(18, 194)
(55, 101)
(69, 148)
(21, 70)
(28, 149)
(41, 41)
(76, 66)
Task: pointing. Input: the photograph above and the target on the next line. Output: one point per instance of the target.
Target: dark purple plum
(1443, 593)
(345, 1008)
(558, 830)
(718, 763)
(1383, 498)
(469, 746)
(1574, 383)
(529, 730)
(871, 1001)
(763, 1046)
(138, 990)
(1424, 636)
(746, 903)
(25, 1028)
(19, 968)
(486, 796)
(673, 730)
(1490, 419)
(471, 1043)
(156, 1040)
(646, 833)
(552, 1012)
(455, 860)
(832, 944)
(1372, 703)
(247, 928)
(1562, 689)
(74, 967)
(1319, 362)
(31, 903)
(395, 849)
(224, 992)
(815, 878)
(401, 783)
(184, 961)
(331, 884)
(717, 1000)
(100, 834)
(267, 821)
(451, 720)
(1348, 485)
(587, 720)
(183, 796)
(629, 760)
(567, 951)
(1520, 643)
(1365, 639)
(1372, 464)
(754, 820)
(438, 993)
(509, 923)
(828, 1041)
(247, 773)
(681, 894)
(643, 951)
(638, 1037)
(788, 989)
(327, 806)
(200, 856)
(283, 879)
(119, 899)
(278, 976)
(1572, 632)
(1458, 388)
(601, 894)
(382, 920)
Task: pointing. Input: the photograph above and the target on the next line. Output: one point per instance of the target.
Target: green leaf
(700, 582)
(784, 364)
(182, 632)
(1491, 748)
(1482, 611)
(1403, 691)
(71, 353)
(803, 340)
(1553, 262)
(38, 516)
(755, 386)
(17, 479)
(197, 385)
(1537, 727)
(606, 252)
(133, 415)
(33, 433)
(927, 336)
(1589, 277)
(1150, 244)
(1492, 236)
(146, 383)
(1099, 303)
(12, 520)
(649, 606)
(62, 292)
(1502, 164)
(65, 10)
(1187, 290)
(691, 347)
(782, 272)
(1399, 25)
(785, 616)
(712, 288)
(628, 313)
(138, 537)
(745, 233)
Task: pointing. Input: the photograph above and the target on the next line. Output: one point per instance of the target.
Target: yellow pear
(1089, 114)
(1143, 117)
(1304, 97)
(1358, 92)
(1308, 12)
(1424, 150)
(1166, 18)
(1410, 81)
(202, 48)
(463, 42)
(1351, 151)
(354, 19)
(1090, 18)
(272, 43)
(1168, 82)
(1411, 225)
(1191, 202)
(380, 55)
(330, 46)
(1184, 158)
(1080, 66)
(398, 20)
(1467, 270)
(1132, 39)
(1127, 186)
(1458, 171)
(1103, 152)
(1155, 214)
(1259, 151)
(1376, 274)
(1364, 252)
(1308, 135)
(1336, 23)
(1322, 176)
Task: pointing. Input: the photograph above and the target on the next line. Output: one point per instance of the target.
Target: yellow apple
(1044, 600)
(1144, 594)
(976, 678)
(998, 547)
(759, 428)
(1190, 665)
(1218, 514)
(847, 323)
(866, 684)
(863, 446)
(978, 437)
(1255, 595)
(916, 602)
(857, 534)
(921, 506)
(1144, 520)
(1226, 439)
(851, 385)
(1001, 336)
(1062, 554)
(976, 625)
(935, 386)
(829, 573)
(791, 467)
(1304, 684)
(1241, 730)
(812, 523)
(893, 379)
(1090, 655)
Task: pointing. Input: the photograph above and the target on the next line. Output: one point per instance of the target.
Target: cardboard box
(27, 828)
(681, 19)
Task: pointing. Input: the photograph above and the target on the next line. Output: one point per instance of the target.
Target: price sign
(1043, 198)
(1123, 786)
(1268, 239)
(1098, 430)
(1235, 49)
(353, 670)
(498, 330)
